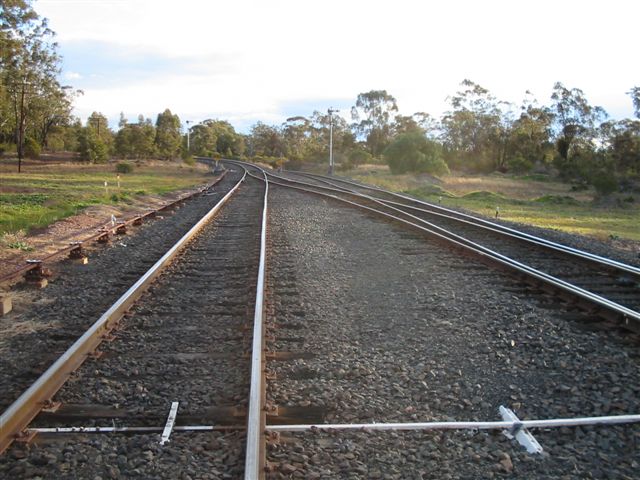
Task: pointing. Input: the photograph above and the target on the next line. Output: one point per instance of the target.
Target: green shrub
(359, 157)
(605, 183)
(189, 160)
(413, 152)
(31, 148)
(519, 164)
(124, 167)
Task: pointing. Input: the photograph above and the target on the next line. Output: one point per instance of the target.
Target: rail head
(256, 416)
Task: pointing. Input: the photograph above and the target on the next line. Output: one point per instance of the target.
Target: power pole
(188, 140)
(331, 111)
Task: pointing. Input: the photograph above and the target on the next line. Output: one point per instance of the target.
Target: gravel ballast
(401, 330)
(372, 323)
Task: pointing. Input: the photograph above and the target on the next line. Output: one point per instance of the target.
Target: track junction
(218, 354)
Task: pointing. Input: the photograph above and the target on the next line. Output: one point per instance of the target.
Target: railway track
(600, 285)
(212, 374)
(184, 348)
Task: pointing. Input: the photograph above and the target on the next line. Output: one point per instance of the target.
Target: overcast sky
(267, 60)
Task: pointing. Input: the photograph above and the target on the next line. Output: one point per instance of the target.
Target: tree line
(477, 133)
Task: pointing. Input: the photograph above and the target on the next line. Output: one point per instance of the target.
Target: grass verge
(45, 193)
(533, 200)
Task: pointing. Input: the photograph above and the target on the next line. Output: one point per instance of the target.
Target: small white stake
(171, 419)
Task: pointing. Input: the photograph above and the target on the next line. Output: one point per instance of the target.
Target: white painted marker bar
(171, 419)
(183, 428)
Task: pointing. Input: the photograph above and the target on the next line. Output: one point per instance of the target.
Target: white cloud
(246, 59)
(72, 76)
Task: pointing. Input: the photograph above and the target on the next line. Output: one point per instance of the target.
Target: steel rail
(256, 416)
(19, 414)
(631, 318)
(478, 222)
(105, 228)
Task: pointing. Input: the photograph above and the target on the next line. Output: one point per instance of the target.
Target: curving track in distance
(601, 286)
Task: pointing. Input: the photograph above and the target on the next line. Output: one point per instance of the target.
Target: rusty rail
(105, 230)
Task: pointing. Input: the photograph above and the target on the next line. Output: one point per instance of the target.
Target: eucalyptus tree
(405, 124)
(136, 140)
(530, 136)
(297, 133)
(167, 135)
(216, 137)
(96, 140)
(474, 130)
(576, 123)
(267, 141)
(372, 115)
(29, 65)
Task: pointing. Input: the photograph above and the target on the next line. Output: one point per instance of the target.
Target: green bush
(519, 164)
(189, 160)
(413, 152)
(31, 148)
(124, 167)
(359, 157)
(605, 183)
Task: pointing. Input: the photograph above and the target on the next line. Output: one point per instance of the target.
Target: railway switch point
(5, 305)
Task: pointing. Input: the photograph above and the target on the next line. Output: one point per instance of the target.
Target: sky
(247, 61)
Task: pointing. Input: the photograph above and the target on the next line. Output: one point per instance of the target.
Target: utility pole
(331, 111)
(188, 140)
